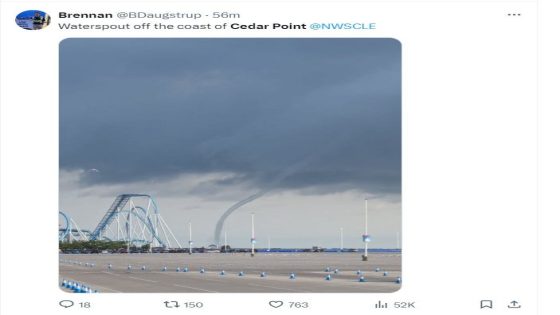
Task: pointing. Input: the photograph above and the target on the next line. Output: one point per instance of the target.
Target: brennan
(66, 15)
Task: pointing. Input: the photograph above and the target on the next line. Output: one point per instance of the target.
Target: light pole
(341, 240)
(190, 238)
(366, 238)
(253, 240)
(225, 241)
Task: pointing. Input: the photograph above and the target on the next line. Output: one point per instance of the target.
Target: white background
(469, 157)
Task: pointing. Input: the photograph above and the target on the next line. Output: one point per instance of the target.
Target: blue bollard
(222, 273)
(362, 279)
(328, 277)
(292, 276)
(398, 280)
(177, 269)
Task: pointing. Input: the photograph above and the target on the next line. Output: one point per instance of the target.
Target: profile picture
(33, 20)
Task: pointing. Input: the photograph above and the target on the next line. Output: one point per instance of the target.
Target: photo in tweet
(230, 165)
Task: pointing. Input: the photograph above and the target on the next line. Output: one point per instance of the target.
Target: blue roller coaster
(133, 218)
(69, 231)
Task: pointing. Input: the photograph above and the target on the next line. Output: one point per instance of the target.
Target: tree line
(96, 246)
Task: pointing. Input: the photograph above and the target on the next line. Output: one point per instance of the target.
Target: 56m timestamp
(225, 15)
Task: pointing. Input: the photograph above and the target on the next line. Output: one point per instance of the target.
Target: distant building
(212, 248)
(317, 249)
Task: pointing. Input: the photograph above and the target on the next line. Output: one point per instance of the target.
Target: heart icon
(276, 304)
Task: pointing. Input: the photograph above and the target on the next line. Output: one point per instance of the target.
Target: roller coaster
(69, 231)
(133, 218)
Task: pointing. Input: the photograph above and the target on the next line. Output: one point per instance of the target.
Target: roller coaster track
(142, 224)
(111, 214)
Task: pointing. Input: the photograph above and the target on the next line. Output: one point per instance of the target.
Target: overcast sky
(203, 123)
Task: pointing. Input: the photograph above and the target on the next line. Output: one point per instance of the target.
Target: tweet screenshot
(270, 157)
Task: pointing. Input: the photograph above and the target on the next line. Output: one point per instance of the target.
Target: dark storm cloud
(292, 113)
